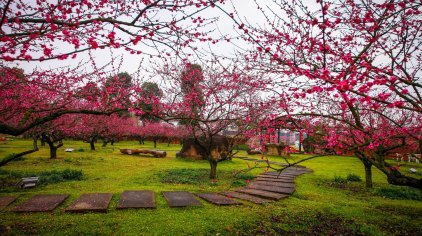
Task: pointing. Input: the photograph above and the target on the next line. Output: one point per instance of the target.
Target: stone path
(266, 188)
(218, 199)
(40, 203)
(97, 202)
(137, 199)
(181, 199)
(5, 201)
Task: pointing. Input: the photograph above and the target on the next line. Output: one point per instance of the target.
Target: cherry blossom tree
(207, 99)
(354, 63)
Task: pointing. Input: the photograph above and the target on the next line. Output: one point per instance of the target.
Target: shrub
(339, 180)
(353, 178)
(397, 192)
(60, 176)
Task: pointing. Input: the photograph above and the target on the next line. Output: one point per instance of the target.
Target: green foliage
(339, 180)
(81, 150)
(353, 178)
(55, 176)
(397, 192)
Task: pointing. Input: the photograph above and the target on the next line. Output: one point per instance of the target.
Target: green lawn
(318, 206)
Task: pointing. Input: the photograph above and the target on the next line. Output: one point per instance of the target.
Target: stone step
(137, 199)
(263, 194)
(278, 184)
(218, 199)
(181, 199)
(275, 179)
(92, 202)
(41, 203)
(5, 201)
(274, 189)
(246, 197)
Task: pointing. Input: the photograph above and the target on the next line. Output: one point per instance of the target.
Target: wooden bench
(155, 153)
(29, 182)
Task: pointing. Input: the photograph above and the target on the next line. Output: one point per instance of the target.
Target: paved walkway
(266, 188)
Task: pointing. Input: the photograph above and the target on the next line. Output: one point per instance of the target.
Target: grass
(315, 208)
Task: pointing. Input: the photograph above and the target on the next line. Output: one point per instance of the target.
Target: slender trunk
(112, 142)
(53, 152)
(104, 144)
(15, 156)
(213, 170)
(92, 144)
(42, 143)
(155, 143)
(368, 174)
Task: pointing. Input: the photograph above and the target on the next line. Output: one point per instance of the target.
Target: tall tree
(351, 62)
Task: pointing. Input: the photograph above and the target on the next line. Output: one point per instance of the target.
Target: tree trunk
(155, 143)
(92, 144)
(368, 173)
(53, 152)
(104, 144)
(42, 143)
(213, 170)
(10, 158)
(112, 142)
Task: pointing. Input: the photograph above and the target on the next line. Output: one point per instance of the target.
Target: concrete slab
(278, 184)
(250, 159)
(282, 180)
(181, 199)
(273, 189)
(5, 201)
(137, 199)
(41, 203)
(92, 202)
(218, 199)
(247, 197)
(262, 194)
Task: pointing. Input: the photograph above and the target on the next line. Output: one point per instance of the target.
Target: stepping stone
(137, 199)
(278, 163)
(5, 201)
(181, 199)
(274, 189)
(281, 180)
(246, 197)
(263, 194)
(250, 159)
(276, 178)
(278, 184)
(40, 203)
(218, 199)
(286, 174)
(97, 202)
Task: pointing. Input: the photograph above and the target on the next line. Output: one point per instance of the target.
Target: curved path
(265, 188)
